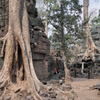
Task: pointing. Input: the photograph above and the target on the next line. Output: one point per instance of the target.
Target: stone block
(38, 66)
(37, 22)
(32, 41)
(36, 33)
(38, 56)
(66, 87)
(44, 40)
(42, 51)
(36, 37)
(40, 41)
(40, 46)
(36, 50)
(44, 47)
(2, 24)
(48, 51)
(46, 57)
(97, 86)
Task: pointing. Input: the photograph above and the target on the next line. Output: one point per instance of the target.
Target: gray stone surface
(40, 44)
(97, 86)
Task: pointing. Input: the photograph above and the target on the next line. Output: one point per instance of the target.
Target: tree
(67, 74)
(70, 18)
(46, 17)
(44, 12)
(91, 49)
(18, 66)
(40, 7)
(95, 21)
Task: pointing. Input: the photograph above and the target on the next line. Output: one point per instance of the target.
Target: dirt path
(81, 87)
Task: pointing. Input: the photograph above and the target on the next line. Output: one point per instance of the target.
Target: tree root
(3, 39)
(4, 84)
(28, 85)
(2, 50)
(3, 93)
(90, 52)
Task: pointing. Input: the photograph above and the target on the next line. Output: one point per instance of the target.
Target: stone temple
(92, 67)
(40, 44)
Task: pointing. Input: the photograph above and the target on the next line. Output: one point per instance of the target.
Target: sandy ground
(81, 87)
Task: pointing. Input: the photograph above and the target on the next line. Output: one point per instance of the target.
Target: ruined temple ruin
(93, 67)
(40, 44)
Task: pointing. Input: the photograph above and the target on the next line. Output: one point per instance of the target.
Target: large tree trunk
(18, 65)
(91, 49)
(67, 72)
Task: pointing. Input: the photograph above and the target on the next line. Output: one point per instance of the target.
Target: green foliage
(50, 38)
(71, 19)
(95, 21)
(71, 16)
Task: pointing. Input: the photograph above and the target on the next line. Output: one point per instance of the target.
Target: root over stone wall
(38, 38)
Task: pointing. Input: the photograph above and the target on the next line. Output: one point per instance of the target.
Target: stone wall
(40, 44)
(40, 51)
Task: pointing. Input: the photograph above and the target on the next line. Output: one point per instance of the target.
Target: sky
(94, 5)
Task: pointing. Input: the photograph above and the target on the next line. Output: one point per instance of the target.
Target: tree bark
(40, 6)
(67, 72)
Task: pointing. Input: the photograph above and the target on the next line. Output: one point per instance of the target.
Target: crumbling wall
(40, 44)
(40, 50)
(92, 67)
